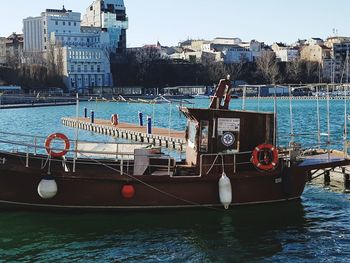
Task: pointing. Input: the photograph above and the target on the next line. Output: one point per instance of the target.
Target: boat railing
(218, 160)
(122, 154)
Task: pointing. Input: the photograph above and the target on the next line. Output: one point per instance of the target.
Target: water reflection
(245, 233)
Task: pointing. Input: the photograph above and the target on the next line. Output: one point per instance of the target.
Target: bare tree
(51, 63)
(235, 70)
(268, 67)
(145, 57)
(311, 71)
(294, 70)
(13, 60)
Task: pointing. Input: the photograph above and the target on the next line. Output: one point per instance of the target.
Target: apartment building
(110, 16)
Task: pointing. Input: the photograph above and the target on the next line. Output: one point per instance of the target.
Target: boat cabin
(219, 132)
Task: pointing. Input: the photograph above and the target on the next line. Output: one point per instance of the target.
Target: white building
(82, 52)
(85, 68)
(37, 30)
(85, 58)
(237, 54)
(110, 15)
(2, 51)
(285, 53)
(226, 41)
(245, 51)
(314, 41)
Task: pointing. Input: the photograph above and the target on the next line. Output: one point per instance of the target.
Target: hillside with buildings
(82, 52)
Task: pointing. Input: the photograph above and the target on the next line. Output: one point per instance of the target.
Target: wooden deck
(160, 136)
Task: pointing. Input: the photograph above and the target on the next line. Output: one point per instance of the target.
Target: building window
(85, 68)
(79, 68)
(98, 68)
(64, 23)
(75, 23)
(69, 23)
(45, 39)
(44, 31)
(56, 23)
(92, 68)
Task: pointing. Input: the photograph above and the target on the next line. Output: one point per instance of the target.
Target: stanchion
(149, 125)
(140, 118)
(92, 116)
(85, 112)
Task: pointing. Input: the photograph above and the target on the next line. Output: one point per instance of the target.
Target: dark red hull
(94, 187)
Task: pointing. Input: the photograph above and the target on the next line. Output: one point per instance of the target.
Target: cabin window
(204, 136)
(192, 131)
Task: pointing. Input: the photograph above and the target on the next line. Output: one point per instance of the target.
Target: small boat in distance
(231, 159)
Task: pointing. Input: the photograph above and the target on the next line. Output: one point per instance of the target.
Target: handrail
(85, 141)
(36, 146)
(216, 157)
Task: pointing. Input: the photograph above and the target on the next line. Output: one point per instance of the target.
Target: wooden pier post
(309, 176)
(327, 178)
(346, 180)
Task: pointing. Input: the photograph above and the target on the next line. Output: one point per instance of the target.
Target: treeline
(37, 74)
(148, 68)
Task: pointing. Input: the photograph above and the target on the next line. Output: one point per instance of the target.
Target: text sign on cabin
(228, 134)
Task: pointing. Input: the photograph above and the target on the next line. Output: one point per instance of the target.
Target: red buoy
(128, 191)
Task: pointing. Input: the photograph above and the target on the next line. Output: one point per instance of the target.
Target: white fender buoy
(47, 188)
(225, 190)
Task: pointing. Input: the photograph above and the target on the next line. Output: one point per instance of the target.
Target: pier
(336, 179)
(159, 137)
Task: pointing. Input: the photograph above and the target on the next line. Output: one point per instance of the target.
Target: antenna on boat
(169, 118)
(275, 118)
(345, 103)
(318, 117)
(244, 96)
(328, 125)
(76, 132)
(291, 115)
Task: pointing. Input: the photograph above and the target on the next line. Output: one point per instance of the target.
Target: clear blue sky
(170, 21)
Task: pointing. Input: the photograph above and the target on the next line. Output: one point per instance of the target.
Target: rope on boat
(153, 187)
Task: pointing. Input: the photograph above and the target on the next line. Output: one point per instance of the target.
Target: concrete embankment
(34, 105)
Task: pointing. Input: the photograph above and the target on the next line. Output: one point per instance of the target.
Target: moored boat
(231, 159)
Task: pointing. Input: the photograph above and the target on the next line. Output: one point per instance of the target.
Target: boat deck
(160, 136)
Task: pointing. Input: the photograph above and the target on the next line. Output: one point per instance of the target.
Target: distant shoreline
(36, 105)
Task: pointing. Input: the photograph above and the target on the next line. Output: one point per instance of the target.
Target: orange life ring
(114, 119)
(265, 157)
(52, 137)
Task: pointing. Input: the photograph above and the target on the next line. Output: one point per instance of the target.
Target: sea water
(314, 229)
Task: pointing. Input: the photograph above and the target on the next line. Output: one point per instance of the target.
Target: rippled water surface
(314, 229)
